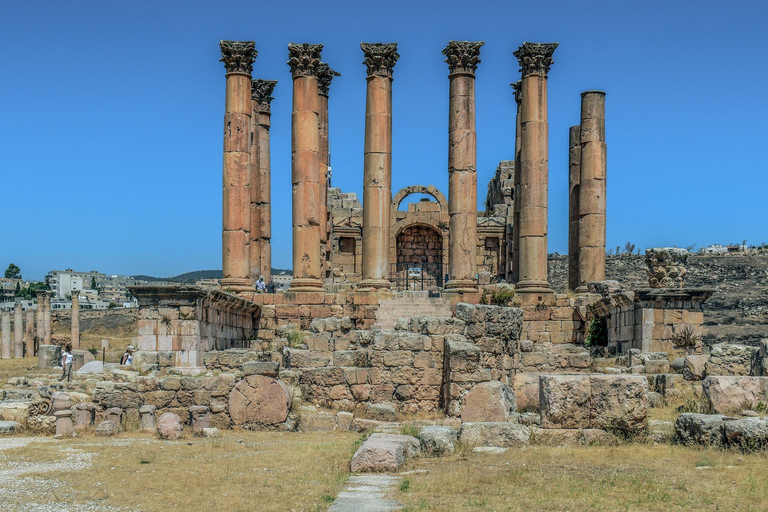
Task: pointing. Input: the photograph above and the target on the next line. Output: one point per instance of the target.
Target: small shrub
(686, 340)
(94, 351)
(405, 485)
(598, 332)
(501, 296)
(295, 338)
(144, 461)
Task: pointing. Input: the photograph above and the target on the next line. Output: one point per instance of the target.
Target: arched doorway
(419, 266)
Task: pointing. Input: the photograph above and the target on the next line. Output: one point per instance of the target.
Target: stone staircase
(410, 304)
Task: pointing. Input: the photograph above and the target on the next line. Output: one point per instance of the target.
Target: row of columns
(246, 219)
(22, 341)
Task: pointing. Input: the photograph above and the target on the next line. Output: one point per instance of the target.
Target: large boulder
(495, 434)
(384, 452)
(619, 402)
(694, 367)
(726, 395)
(169, 426)
(746, 433)
(106, 428)
(705, 429)
(259, 400)
(564, 401)
(488, 401)
(438, 440)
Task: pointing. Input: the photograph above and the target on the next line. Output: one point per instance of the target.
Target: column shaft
(322, 101)
(40, 315)
(305, 147)
(265, 196)
(518, 86)
(5, 344)
(592, 190)
(47, 319)
(29, 339)
(377, 161)
(574, 178)
(255, 193)
(18, 330)
(75, 320)
(261, 221)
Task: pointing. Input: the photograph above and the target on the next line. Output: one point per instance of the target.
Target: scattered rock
(10, 427)
(438, 440)
(259, 400)
(694, 367)
(495, 434)
(106, 429)
(381, 412)
(492, 450)
(706, 429)
(384, 452)
(210, 432)
(169, 426)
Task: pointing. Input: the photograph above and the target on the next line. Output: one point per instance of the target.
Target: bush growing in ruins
(295, 338)
(686, 340)
(499, 296)
(598, 332)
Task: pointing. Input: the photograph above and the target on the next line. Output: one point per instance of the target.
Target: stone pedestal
(200, 417)
(261, 218)
(75, 321)
(379, 60)
(5, 344)
(62, 404)
(238, 57)
(592, 189)
(147, 417)
(29, 337)
(325, 77)
(85, 414)
(574, 178)
(114, 414)
(535, 60)
(462, 58)
(305, 165)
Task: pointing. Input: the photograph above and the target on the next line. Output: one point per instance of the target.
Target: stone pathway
(367, 493)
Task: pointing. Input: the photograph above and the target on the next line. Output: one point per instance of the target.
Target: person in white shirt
(127, 358)
(66, 364)
(261, 286)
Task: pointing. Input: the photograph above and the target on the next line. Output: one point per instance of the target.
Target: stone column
(5, 345)
(535, 60)
(75, 320)
(592, 189)
(40, 314)
(518, 88)
(261, 215)
(47, 318)
(18, 329)
(238, 57)
(325, 76)
(29, 338)
(574, 177)
(379, 60)
(304, 60)
(462, 58)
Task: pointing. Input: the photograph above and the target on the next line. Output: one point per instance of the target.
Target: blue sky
(111, 116)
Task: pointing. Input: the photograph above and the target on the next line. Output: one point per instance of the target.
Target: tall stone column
(261, 208)
(5, 344)
(518, 88)
(40, 314)
(325, 76)
(592, 189)
(75, 320)
(462, 58)
(380, 60)
(238, 57)
(574, 178)
(29, 339)
(535, 60)
(18, 329)
(304, 60)
(47, 318)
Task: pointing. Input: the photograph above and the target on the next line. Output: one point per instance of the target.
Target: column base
(534, 292)
(460, 286)
(306, 284)
(236, 284)
(374, 285)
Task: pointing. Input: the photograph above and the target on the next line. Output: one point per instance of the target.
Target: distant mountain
(191, 277)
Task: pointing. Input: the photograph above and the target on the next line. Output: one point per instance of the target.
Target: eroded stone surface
(384, 452)
(488, 401)
(495, 434)
(169, 426)
(259, 400)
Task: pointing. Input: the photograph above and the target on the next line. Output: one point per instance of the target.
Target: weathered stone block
(259, 400)
(438, 440)
(564, 401)
(619, 402)
(706, 429)
(495, 434)
(694, 367)
(384, 452)
(729, 394)
(488, 402)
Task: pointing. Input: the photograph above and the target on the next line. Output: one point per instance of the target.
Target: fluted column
(29, 338)
(592, 189)
(75, 320)
(40, 314)
(379, 60)
(462, 58)
(238, 57)
(304, 61)
(5, 343)
(535, 60)
(574, 178)
(47, 318)
(518, 88)
(18, 329)
(261, 208)
(325, 77)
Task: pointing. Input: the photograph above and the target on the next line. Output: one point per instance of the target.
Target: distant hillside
(191, 277)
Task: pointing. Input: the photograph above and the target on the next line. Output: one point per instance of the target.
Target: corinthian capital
(518, 88)
(324, 77)
(238, 56)
(304, 59)
(535, 58)
(261, 93)
(463, 56)
(380, 58)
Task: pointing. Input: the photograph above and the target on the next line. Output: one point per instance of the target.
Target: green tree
(93, 283)
(17, 293)
(13, 272)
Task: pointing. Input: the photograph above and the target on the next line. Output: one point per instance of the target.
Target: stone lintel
(463, 56)
(380, 58)
(238, 56)
(304, 59)
(535, 58)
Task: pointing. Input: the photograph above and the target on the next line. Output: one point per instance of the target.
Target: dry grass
(631, 477)
(267, 471)
(18, 368)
